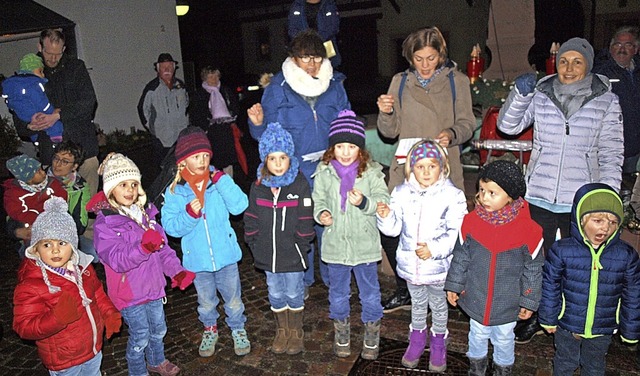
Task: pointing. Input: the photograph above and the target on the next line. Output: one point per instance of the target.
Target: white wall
(119, 40)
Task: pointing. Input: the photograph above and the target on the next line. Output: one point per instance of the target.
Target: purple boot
(417, 342)
(438, 352)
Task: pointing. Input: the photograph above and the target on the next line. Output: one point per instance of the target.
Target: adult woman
(578, 139)
(431, 100)
(215, 109)
(304, 98)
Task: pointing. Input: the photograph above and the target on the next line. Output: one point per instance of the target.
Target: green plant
(8, 138)
(120, 140)
(487, 93)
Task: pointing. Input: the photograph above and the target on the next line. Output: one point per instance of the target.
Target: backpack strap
(401, 88)
(453, 89)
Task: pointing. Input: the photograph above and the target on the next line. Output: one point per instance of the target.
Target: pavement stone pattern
(19, 358)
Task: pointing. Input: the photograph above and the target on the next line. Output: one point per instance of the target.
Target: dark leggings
(550, 223)
(390, 245)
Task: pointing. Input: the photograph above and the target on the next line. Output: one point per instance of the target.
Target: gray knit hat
(54, 222)
(579, 45)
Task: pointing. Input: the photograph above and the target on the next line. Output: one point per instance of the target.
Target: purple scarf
(347, 175)
(217, 105)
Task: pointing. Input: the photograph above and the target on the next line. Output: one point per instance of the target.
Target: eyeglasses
(626, 45)
(61, 161)
(307, 59)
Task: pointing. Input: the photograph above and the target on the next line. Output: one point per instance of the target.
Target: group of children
(489, 261)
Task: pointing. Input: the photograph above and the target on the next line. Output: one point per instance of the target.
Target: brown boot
(279, 345)
(296, 340)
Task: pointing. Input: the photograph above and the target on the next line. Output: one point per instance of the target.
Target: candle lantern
(551, 60)
(473, 66)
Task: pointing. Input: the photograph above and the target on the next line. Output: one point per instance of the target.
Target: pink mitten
(151, 240)
(182, 279)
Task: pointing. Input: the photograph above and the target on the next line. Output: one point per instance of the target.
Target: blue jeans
(586, 353)
(86, 246)
(368, 287)
(286, 289)
(502, 338)
(147, 328)
(89, 368)
(309, 276)
(227, 282)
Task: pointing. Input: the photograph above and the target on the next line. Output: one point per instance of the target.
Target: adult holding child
(578, 139)
(431, 99)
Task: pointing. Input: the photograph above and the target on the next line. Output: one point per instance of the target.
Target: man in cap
(163, 105)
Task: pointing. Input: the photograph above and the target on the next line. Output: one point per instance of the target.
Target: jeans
(424, 297)
(286, 289)
(86, 246)
(368, 287)
(502, 338)
(550, 223)
(309, 276)
(586, 353)
(147, 328)
(89, 368)
(227, 282)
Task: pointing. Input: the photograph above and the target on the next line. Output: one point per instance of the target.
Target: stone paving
(20, 358)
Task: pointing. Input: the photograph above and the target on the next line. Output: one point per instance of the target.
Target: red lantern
(550, 64)
(474, 67)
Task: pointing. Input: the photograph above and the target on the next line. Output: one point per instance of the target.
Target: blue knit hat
(274, 139)
(23, 167)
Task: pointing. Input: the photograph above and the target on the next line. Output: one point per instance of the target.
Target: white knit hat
(115, 169)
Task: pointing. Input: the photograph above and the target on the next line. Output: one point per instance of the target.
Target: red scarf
(197, 182)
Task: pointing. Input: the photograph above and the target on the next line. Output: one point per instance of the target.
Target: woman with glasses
(304, 98)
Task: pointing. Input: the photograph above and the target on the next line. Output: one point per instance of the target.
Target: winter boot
(279, 345)
(209, 340)
(371, 341)
(296, 339)
(502, 370)
(342, 338)
(438, 352)
(477, 366)
(417, 342)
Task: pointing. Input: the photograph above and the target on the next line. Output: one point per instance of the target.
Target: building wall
(119, 40)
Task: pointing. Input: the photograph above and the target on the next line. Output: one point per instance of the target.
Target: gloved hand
(525, 83)
(66, 310)
(151, 240)
(112, 324)
(182, 279)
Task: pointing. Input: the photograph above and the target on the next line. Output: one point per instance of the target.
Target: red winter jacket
(60, 346)
(24, 206)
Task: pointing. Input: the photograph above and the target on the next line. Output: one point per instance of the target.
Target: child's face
(492, 197)
(346, 153)
(126, 193)
(598, 227)
(38, 178)
(39, 72)
(198, 164)
(63, 164)
(54, 252)
(277, 163)
(427, 171)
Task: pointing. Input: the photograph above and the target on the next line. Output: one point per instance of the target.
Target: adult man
(621, 64)
(71, 92)
(163, 105)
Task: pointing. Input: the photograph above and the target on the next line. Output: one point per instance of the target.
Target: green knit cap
(601, 200)
(30, 62)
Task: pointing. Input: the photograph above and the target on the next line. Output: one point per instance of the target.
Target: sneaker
(165, 368)
(241, 344)
(209, 340)
(525, 330)
(306, 292)
(400, 300)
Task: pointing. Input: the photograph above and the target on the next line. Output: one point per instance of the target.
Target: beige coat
(426, 113)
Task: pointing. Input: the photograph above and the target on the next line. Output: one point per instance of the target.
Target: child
(197, 207)
(427, 212)
(495, 272)
(278, 227)
(59, 301)
(591, 284)
(348, 185)
(64, 168)
(25, 195)
(25, 96)
(136, 257)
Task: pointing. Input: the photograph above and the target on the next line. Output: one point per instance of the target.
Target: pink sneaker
(165, 368)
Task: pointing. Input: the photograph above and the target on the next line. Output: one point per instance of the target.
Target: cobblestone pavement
(19, 358)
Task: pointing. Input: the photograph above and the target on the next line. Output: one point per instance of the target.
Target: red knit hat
(191, 140)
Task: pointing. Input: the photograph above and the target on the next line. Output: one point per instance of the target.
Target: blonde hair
(446, 169)
(601, 215)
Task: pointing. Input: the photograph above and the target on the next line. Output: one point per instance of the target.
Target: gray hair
(633, 30)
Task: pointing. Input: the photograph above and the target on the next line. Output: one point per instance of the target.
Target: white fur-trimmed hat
(115, 169)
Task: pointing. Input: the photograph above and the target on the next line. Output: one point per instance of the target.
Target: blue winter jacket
(327, 20)
(208, 241)
(590, 291)
(309, 126)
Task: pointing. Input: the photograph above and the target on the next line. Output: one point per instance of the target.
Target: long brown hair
(363, 157)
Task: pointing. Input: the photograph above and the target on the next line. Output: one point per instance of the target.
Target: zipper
(206, 231)
(273, 234)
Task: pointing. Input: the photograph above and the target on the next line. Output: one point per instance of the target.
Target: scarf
(302, 83)
(425, 81)
(197, 182)
(217, 104)
(347, 175)
(503, 216)
(67, 181)
(572, 96)
(280, 181)
(35, 188)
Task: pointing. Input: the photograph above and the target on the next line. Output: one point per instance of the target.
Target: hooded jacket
(208, 242)
(590, 291)
(433, 216)
(60, 346)
(567, 153)
(134, 276)
(24, 206)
